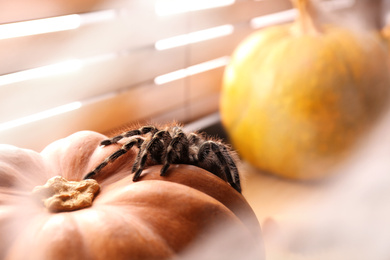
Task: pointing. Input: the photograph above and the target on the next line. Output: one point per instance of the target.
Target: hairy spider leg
(209, 163)
(178, 149)
(232, 165)
(166, 138)
(157, 151)
(155, 148)
(205, 150)
(152, 130)
(123, 150)
(193, 143)
(117, 138)
(193, 138)
(142, 130)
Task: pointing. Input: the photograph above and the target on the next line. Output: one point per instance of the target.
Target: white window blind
(99, 65)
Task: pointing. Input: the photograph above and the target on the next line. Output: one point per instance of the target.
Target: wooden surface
(344, 217)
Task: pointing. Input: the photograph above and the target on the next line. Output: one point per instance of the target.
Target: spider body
(171, 145)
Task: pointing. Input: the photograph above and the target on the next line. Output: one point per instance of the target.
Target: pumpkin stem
(59, 194)
(305, 24)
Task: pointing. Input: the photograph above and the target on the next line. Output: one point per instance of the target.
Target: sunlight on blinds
(192, 70)
(97, 67)
(194, 37)
(45, 71)
(169, 7)
(53, 24)
(337, 4)
(40, 26)
(272, 19)
(41, 115)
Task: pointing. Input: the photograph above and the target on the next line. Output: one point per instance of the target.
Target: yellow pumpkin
(297, 97)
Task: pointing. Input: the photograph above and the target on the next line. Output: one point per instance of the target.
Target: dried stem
(59, 194)
(305, 23)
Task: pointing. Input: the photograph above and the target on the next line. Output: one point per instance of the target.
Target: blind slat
(143, 103)
(197, 109)
(241, 12)
(218, 47)
(23, 10)
(121, 34)
(113, 65)
(107, 75)
(90, 80)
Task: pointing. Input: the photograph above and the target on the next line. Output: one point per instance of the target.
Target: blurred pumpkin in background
(297, 97)
(385, 35)
(112, 217)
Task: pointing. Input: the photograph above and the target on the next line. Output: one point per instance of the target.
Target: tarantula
(171, 145)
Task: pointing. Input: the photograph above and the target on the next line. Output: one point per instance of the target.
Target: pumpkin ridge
(26, 167)
(33, 237)
(132, 229)
(61, 154)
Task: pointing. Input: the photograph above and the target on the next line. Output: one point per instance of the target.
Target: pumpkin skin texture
(296, 101)
(153, 218)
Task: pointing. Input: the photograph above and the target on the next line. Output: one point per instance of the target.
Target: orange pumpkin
(298, 97)
(153, 218)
